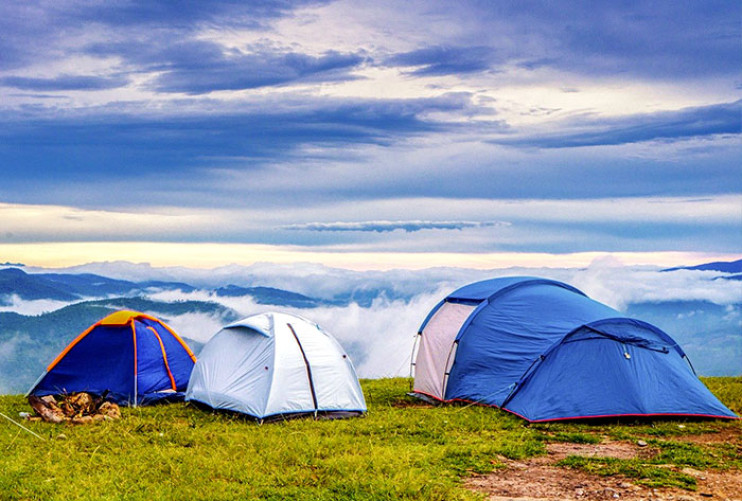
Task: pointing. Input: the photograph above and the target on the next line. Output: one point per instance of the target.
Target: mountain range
(722, 266)
(75, 287)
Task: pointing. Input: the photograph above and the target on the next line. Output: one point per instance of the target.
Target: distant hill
(30, 287)
(71, 287)
(723, 266)
(29, 343)
(269, 295)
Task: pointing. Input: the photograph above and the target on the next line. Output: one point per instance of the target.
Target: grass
(400, 450)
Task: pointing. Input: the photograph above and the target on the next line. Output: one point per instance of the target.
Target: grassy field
(402, 449)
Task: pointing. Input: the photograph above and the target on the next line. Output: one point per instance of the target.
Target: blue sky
(310, 130)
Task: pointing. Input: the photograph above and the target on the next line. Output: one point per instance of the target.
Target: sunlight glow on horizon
(213, 255)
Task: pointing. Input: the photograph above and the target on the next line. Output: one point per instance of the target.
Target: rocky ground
(539, 478)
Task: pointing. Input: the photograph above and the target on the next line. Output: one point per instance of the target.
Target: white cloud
(378, 338)
(31, 308)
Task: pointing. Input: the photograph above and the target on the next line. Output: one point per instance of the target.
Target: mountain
(29, 343)
(31, 287)
(71, 287)
(723, 266)
(269, 295)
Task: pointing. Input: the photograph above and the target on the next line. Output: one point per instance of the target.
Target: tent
(544, 351)
(275, 365)
(131, 357)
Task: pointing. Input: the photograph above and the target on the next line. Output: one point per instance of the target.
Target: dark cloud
(444, 60)
(710, 120)
(36, 31)
(184, 15)
(649, 40)
(113, 143)
(64, 82)
(204, 73)
(386, 226)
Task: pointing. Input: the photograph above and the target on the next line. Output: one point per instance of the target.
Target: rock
(625, 485)
(579, 492)
(611, 493)
(61, 436)
(694, 473)
(641, 443)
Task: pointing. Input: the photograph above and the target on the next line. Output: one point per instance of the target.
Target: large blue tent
(544, 351)
(131, 357)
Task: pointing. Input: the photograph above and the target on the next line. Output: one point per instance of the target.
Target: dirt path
(538, 478)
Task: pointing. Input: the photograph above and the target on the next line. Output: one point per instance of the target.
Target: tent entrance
(437, 341)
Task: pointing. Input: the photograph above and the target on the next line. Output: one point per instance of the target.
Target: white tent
(273, 365)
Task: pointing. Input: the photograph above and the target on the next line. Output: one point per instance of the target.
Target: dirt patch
(619, 450)
(538, 478)
(726, 435)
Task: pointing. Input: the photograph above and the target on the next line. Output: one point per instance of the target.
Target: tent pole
(309, 369)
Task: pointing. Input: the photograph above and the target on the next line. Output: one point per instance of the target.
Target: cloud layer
(289, 114)
(378, 326)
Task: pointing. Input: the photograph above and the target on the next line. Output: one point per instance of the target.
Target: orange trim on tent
(134, 337)
(120, 318)
(164, 358)
(123, 317)
(182, 343)
(105, 321)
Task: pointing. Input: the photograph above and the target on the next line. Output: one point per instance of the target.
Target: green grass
(400, 450)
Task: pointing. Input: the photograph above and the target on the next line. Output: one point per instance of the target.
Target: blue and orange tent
(544, 351)
(130, 357)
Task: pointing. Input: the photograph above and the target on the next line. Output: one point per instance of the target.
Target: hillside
(402, 449)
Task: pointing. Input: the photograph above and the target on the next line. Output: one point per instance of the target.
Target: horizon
(215, 256)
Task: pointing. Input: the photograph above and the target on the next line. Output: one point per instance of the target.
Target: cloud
(190, 17)
(252, 71)
(606, 279)
(201, 66)
(444, 60)
(42, 30)
(722, 118)
(378, 337)
(379, 334)
(29, 307)
(64, 82)
(115, 144)
(385, 226)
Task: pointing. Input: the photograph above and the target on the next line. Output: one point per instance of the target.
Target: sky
(370, 135)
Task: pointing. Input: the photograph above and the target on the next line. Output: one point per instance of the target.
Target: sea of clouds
(379, 336)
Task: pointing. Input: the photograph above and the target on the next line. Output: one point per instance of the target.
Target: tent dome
(131, 357)
(543, 350)
(273, 365)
